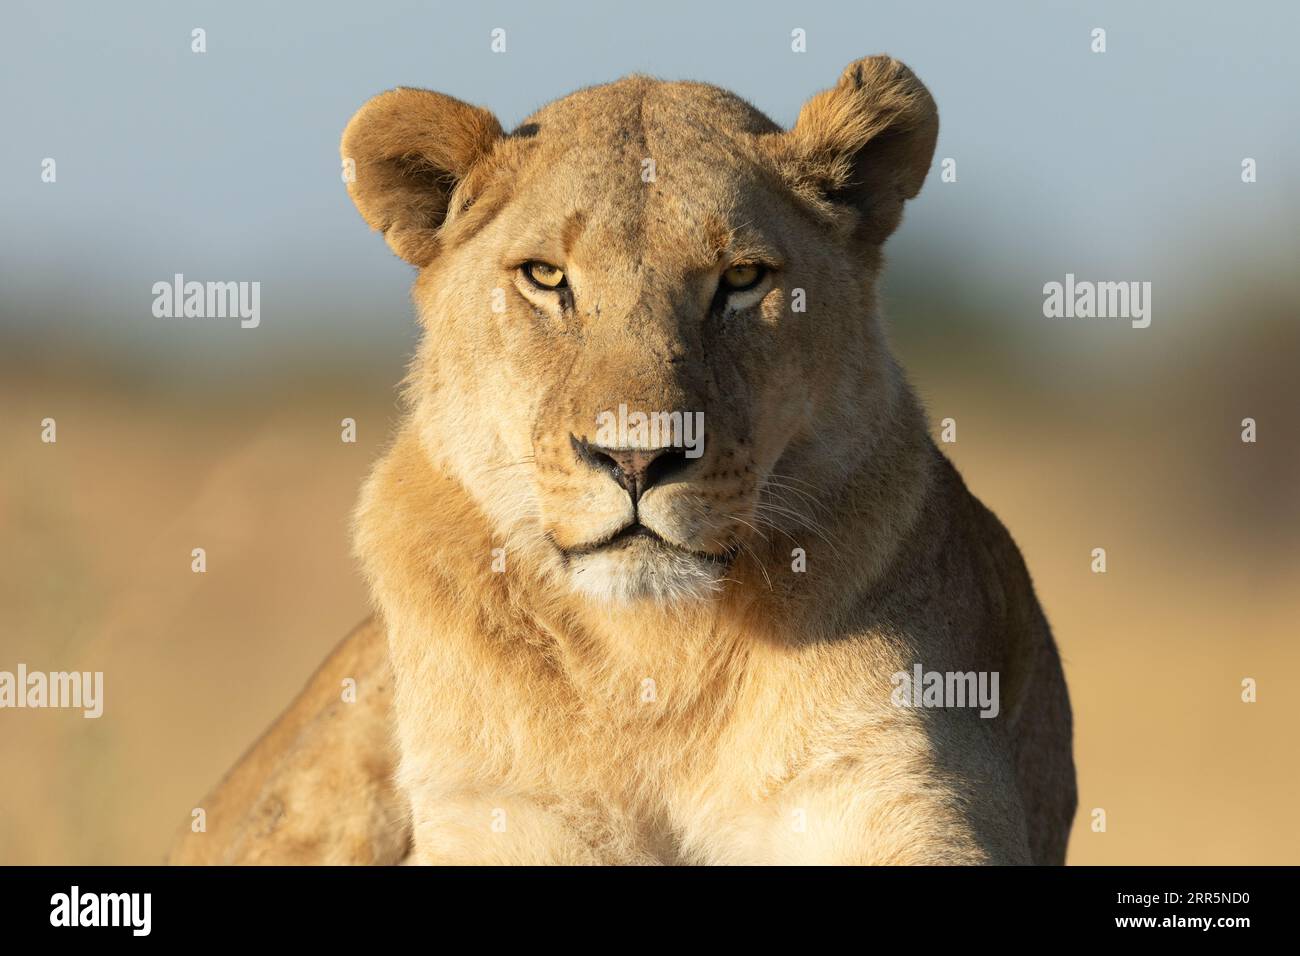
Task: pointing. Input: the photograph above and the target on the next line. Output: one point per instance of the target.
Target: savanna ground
(1143, 459)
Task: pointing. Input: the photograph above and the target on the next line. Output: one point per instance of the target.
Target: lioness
(610, 650)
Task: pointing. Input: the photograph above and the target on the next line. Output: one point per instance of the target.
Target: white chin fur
(641, 573)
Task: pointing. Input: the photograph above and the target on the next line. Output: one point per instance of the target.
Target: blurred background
(175, 434)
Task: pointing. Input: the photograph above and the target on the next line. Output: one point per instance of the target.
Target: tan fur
(692, 698)
(317, 788)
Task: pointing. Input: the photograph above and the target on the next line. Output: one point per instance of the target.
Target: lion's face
(649, 323)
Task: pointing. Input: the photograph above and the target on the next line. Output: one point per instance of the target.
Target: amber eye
(544, 274)
(742, 277)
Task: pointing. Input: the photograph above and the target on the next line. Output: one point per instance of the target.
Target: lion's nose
(636, 469)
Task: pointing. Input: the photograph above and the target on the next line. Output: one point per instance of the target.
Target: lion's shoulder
(317, 788)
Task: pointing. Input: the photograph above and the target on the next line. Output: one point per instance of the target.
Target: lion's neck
(855, 510)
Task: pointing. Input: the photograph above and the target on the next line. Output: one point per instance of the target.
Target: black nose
(636, 469)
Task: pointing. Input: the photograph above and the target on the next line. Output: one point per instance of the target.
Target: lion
(609, 645)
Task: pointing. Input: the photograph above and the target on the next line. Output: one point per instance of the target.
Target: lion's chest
(631, 766)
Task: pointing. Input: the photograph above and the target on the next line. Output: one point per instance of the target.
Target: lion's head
(650, 338)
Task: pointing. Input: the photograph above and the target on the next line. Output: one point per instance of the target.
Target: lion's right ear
(406, 150)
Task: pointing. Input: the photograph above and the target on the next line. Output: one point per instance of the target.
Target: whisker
(762, 569)
(800, 520)
(513, 464)
(812, 500)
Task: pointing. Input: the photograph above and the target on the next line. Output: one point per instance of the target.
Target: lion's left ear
(867, 142)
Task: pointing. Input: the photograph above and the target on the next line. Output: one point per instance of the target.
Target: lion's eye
(740, 278)
(544, 274)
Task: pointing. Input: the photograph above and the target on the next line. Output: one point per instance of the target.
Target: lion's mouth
(632, 534)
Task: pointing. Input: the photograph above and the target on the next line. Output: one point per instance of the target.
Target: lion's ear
(407, 150)
(867, 142)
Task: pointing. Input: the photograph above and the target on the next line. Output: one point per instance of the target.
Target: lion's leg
(902, 797)
(318, 787)
(494, 830)
(849, 824)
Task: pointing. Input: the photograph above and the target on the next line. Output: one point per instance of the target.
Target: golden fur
(692, 695)
(318, 786)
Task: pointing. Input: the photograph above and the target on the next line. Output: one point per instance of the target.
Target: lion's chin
(643, 570)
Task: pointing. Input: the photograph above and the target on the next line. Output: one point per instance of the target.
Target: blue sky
(225, 165)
